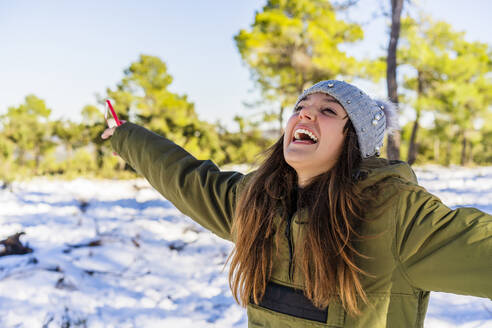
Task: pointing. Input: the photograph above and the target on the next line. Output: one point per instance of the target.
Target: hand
(109, 132)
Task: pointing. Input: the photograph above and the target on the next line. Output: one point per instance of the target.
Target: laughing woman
(325, 233)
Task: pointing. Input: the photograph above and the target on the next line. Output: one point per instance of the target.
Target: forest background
(442, 82)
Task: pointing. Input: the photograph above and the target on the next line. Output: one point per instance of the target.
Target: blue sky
(67, 51)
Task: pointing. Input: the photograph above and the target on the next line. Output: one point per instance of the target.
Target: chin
(298, 164)
(299, 156)
(290, 159)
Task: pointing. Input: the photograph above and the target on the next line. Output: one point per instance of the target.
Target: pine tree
(295, 43)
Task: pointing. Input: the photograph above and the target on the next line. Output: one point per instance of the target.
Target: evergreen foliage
(451, 81)
(290, 45)
(295, 43)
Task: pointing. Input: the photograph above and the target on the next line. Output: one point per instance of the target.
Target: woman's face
(314, 136)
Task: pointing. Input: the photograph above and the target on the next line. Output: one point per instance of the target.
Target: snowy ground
(151, 266)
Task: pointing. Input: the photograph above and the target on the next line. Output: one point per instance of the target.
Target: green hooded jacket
(422, 245)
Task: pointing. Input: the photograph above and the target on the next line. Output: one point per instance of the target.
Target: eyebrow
(325, 99)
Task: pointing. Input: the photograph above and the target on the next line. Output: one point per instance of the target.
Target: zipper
(288, 235)
(294, 206)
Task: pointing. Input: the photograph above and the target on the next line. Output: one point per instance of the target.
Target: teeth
(309, 133)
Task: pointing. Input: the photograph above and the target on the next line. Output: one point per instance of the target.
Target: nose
(307, 113)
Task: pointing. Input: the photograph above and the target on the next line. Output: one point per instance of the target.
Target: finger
(107, 133)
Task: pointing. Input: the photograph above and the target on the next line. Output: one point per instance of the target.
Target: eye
(327, 111)
(298, 108)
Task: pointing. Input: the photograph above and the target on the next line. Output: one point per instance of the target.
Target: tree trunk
(463, 150)
(37, 159)
(393, 149)
(436, 149)
(281, 121)
(99, 156)
(469, 157)
(412, 149)
(448, 153)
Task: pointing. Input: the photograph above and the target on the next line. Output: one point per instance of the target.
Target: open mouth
(304, 136)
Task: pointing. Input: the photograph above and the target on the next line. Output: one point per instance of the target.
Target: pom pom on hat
(390, 110)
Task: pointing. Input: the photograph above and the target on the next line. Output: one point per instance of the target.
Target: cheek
(340, 141)
(290, 125)
(336, 137)
(291, 121)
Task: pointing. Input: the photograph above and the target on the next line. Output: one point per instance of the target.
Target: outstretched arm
(197, 188)
(442, 249)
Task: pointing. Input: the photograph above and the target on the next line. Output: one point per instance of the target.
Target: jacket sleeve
(442, 249)
(197, 188)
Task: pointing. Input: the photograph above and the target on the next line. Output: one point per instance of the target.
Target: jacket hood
(374, 170)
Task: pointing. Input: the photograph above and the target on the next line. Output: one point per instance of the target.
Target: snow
(154, 267)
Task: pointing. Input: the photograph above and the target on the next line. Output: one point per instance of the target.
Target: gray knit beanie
(370, 118)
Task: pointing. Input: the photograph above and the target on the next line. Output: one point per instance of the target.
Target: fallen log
(13, 246)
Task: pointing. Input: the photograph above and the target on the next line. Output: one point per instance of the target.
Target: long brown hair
(334, 207)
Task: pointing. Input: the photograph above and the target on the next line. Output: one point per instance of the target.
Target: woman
(325, 233)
